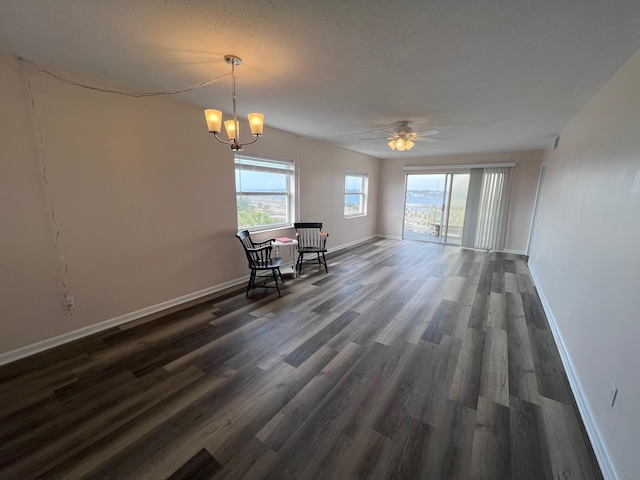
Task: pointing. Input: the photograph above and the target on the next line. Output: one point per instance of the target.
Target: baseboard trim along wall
(49, 343)
(600, 450)
(389, 237)
(350, 244)
(38, 347)
(395, 237)
(515, 252)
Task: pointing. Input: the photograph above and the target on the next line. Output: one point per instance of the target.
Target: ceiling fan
(402, 137)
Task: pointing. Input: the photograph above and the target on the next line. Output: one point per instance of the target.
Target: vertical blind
(487, 206)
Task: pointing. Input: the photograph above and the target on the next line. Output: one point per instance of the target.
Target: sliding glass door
(435, 207)
(466, 207)
(453, 224)
(424, 200)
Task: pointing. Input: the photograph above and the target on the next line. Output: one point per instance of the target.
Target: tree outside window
(264, 193)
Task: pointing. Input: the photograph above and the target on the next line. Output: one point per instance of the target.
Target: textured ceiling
(491, 75)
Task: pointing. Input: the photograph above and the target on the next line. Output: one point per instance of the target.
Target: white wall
(144, 200)
(585, 257)
(521, 201)
(29, 266)
(322, 183)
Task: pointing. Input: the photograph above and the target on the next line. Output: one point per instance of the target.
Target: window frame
(255, 163)
(363, 194)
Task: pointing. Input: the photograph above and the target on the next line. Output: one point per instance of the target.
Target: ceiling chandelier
(214, 117)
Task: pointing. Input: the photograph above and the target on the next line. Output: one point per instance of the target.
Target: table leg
(292, 254)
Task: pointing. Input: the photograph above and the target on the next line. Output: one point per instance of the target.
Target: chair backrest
(310, 235)
(245, 238)
(257, 257)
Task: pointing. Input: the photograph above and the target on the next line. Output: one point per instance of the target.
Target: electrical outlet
(613, 393)
(69, 303)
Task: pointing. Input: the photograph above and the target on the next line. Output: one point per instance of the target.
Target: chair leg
(252, 279)
(275, 277)
(323, 261)
(299, 263)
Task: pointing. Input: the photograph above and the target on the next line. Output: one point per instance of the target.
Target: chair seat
(311, 249)
(273, 263)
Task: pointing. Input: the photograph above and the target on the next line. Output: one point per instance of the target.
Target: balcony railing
(426, 219)
(421, 217)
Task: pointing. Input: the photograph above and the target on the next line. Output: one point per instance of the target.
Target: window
(355, 194)
(264, 192)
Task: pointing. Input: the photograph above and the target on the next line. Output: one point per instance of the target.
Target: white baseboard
(351, 244)
(515, 252)
(389, 237)
(599, 448)
(49, 343)
(395, 237)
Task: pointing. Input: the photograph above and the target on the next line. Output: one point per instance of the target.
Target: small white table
(292, 252)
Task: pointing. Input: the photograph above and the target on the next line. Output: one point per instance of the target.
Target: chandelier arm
(252, 141)
(235, 142)
(215, 134)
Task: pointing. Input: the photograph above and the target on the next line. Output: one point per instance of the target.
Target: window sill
(269, 229)
(359, 215)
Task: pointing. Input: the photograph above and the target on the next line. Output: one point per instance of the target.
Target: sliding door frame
(448, 171)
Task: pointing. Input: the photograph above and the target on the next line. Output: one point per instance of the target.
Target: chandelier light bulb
(256, 122)
(232, 129)
(214, 120)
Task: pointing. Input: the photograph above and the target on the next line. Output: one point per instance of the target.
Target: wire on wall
(64, 266)
(68, 81)
(45, 176)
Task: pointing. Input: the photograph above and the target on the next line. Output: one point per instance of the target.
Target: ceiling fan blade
(383, 132)
(335, 134)
(427, 133)
(428, 139)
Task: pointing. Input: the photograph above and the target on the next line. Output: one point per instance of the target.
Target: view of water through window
(424, 215)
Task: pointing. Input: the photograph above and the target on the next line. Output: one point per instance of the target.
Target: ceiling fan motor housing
(403, 129)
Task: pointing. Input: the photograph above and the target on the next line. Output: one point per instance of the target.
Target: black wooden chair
(259, 258)
(311, 239)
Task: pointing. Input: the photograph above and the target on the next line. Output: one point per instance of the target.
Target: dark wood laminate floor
(406, 360)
